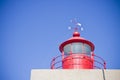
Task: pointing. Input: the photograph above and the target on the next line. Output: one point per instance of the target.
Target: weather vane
(77, 25)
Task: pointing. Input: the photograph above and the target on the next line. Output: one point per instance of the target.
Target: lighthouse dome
(76, 44)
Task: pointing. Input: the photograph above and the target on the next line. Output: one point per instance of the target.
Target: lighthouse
(77, 53)
(76, 61)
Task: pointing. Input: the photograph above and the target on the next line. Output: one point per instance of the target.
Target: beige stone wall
(74, 74)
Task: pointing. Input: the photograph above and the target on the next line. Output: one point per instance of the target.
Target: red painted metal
(76, 38)
(58, 62)
(77, 60)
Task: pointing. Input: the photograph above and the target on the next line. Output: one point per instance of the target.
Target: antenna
(77, 25)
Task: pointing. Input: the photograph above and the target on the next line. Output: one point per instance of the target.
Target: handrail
(56, 62)
(104, 63)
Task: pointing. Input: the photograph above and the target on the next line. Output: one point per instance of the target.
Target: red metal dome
(76, 38)
(76, 34)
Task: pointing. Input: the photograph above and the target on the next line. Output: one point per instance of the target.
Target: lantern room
(76, 45)
(77, 53)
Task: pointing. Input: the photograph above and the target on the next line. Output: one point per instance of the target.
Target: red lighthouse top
(77, 53)
(76, 38)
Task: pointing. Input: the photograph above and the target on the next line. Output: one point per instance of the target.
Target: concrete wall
(74, 74)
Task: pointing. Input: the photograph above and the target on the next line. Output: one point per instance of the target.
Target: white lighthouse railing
(99, 63)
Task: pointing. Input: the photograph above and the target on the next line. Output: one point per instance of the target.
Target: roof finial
(76, 27)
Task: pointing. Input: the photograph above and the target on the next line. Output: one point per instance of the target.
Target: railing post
(63, 55)
(53, 62)
(92, 57)
(104, 65)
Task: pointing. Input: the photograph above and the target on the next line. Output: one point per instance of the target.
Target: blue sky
(31, 32)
